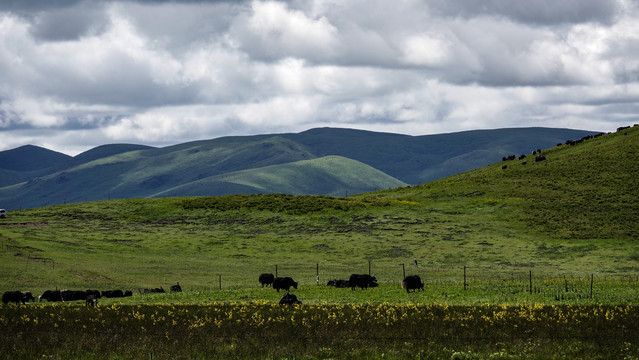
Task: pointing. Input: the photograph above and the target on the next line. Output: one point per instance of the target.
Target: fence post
(275, 270)
(317, 273)
(530, 276)
(220, 277)
(403, 271)
(592, 278)
(465, 283)
(369, 267)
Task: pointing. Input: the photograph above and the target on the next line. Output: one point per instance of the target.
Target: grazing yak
(284, 283)
(73, 295)
(412, 282)
(156, 290)
(27, 296)
(64, 295)
(266, 279)
(338, 283)
(289, 299)
(51, 295)
(363, 281)
(17, 297)
(112, 293)
(176, 288)
(95, 293)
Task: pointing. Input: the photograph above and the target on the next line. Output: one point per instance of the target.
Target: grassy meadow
(266, 330)
(536, 260)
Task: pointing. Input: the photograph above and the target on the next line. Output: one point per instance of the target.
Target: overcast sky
(78, 74)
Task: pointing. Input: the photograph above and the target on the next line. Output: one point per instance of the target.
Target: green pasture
(572, 215)
(206, 245)
(536, 261)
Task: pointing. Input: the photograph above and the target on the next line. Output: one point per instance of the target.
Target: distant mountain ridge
(107, 150)
(420, 159)
(326, 161)
(31, 158)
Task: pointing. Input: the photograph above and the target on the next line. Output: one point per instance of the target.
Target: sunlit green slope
(329, 175)
(588, 191)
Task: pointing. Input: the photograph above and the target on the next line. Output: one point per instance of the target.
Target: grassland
(560, 232)
(573, 214)
(266, 330)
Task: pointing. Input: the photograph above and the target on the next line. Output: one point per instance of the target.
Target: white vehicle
(3, 213)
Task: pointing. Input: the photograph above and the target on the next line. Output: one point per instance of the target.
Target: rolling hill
(27, 162)
(329, 175)
(420, 159)
(574, 212)
(120, 171)
(585, 191)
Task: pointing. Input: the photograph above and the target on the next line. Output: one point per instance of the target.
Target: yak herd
(362, 281)
(539, 157)
(89, 296)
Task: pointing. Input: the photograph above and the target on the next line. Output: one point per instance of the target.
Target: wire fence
(385, 273)
(482, 279)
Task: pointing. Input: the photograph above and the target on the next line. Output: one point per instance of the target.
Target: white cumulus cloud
(77, 74)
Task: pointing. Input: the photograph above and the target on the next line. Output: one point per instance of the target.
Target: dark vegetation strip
(267, 330)
(290, 204)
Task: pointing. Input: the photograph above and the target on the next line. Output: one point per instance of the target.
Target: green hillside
(329, 175)
(106, 151)
(586, 191)
(31, 158)
(573, 213)
(120, 171)
(421, 159)
(143, 173)
(27, 162)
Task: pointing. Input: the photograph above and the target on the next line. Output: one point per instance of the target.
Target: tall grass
(267, 330)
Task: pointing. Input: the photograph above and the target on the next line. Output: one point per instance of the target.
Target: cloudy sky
(78, 74)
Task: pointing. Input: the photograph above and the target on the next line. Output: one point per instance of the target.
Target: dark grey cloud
(544, 12)
(30, 6)
(69, 23)
(83, 122)
(179, 26)
(22, 6)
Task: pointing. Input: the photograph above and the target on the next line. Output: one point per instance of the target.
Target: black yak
(289, 299)
(266, 279)
(17, 297)
(412, 282)
(284, 283)
(363, 281)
